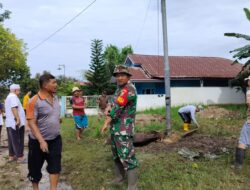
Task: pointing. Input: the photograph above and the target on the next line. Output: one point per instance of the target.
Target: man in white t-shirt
(15, 121)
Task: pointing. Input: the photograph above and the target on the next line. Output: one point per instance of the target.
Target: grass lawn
(87, 164)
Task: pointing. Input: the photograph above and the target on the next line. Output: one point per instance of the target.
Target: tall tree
(240, 54)
(97, 74)
(124, 52)
(114, 56)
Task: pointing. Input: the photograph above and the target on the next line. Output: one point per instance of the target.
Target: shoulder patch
(122, 99)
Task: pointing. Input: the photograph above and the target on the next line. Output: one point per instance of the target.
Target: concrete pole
(166, 66)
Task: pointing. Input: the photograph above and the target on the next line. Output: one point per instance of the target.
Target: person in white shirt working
(187, 114)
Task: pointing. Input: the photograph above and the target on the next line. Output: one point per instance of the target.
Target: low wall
(194, 95)
(179, 96)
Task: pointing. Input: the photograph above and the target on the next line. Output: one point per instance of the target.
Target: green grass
(88, 164)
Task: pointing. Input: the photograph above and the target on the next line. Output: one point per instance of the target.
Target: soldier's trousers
(123, 149)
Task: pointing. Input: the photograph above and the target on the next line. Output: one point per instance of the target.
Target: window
(148, 91)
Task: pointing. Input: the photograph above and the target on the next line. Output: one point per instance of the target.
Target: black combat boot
(132, 179)
(119, 174)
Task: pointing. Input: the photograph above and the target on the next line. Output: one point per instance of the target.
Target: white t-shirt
(189, 109)
(13, 101)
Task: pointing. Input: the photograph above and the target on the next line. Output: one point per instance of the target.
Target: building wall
(193, 95)
(159, 87)
(179, 96)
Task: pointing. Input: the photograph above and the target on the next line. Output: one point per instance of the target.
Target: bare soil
(198, 142)
(215, 112)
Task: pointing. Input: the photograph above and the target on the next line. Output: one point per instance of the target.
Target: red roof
(138, 74)
(184, 67)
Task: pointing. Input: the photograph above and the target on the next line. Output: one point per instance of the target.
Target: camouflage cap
(121, 69)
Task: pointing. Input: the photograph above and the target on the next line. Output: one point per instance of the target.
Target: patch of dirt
(197, 142)
(22, 169)
(215, 112)
(145, 119)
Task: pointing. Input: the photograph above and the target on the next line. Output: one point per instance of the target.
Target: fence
(179, 96)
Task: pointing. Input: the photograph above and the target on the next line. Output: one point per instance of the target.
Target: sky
(195, 28)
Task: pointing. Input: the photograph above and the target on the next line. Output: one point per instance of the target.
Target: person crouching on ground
(187, 114)
(244, 140)
(80, 118)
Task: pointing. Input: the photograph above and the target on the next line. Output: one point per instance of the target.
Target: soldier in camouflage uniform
(122, 120)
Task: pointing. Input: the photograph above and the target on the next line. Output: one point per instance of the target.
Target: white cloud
(194, 28)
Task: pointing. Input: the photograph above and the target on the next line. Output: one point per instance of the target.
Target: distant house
(185, 71)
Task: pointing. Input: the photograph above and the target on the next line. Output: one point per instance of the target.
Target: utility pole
(166, 66)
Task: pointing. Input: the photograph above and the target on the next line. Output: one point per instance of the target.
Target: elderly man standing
(122, 121)
(15, 121)
(45, 143)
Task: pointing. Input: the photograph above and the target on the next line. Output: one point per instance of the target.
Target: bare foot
(11, 159)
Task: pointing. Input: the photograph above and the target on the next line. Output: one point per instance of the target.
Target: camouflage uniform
(122, 125)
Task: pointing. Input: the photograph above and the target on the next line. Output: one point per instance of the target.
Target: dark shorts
(36, 158)
(186, 117)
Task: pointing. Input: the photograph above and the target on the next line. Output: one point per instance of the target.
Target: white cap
(14, 87)
(75, 89)
(200, 107)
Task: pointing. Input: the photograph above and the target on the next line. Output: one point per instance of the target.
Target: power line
(143, 25)
(62, 27)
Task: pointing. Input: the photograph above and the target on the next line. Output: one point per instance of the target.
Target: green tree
(97, 74)
(4, 14)
(65, 85)
(114, 56)
(124, 52)
(13, 67)
(240, 54)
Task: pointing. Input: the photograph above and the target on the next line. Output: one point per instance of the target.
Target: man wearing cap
(244, 140)
(187, 114)
(15, 121)
(80, 118)
(122, 123)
